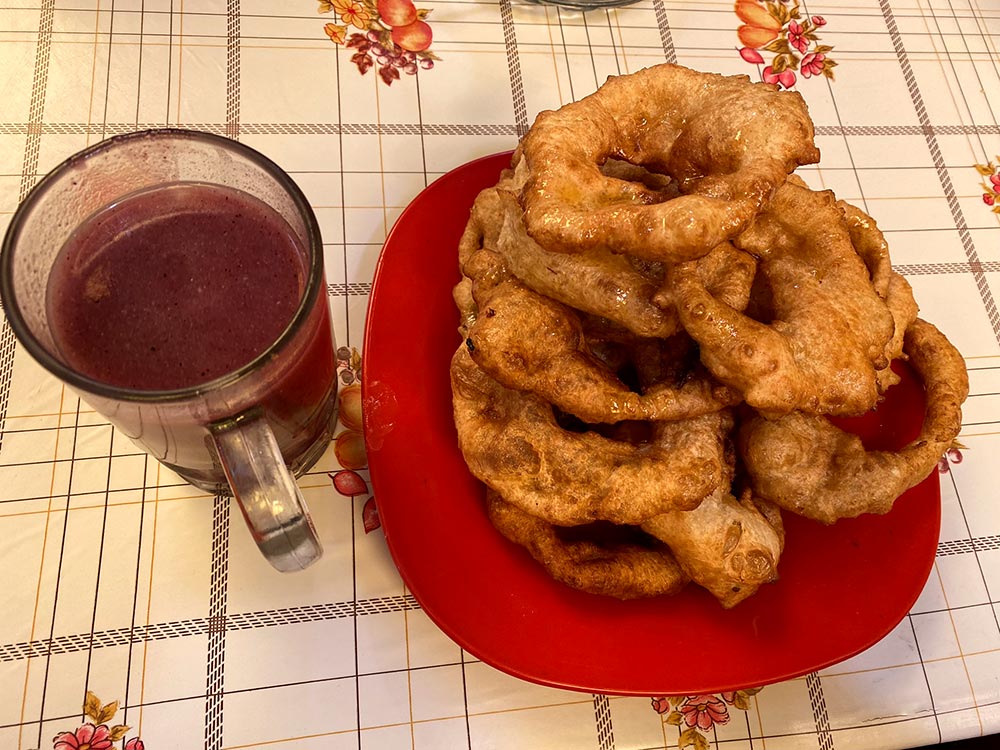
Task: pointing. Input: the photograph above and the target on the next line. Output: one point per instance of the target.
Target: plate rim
(457, 634)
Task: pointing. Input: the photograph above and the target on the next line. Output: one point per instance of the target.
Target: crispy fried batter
(598, 558)
(830, 328)
(806, 465)
(533, 343)
(870, 245)
(476, 256)
(647, 262)
(731, 547)
(512, 442)
(727, 142)
(726, 273)
(595, 281)
(483, 227)
(618, 287)
(899, 300)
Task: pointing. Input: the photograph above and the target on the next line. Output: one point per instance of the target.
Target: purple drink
(174, 281)
(175, 286)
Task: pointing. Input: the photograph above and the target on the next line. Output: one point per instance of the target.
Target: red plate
(842, 588)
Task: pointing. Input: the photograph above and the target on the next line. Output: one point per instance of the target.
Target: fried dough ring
(485, 219)
(730, 547)
(830, 328)
(512, 442)
(726, 141)
(610, 567)
(480, 234)
(594, 281)
(902, 306)
(532, 343)
(623, 289)
(806, 465)
(870, 244)
(618, 287)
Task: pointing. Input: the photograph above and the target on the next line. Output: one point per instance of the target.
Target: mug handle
(267, 494)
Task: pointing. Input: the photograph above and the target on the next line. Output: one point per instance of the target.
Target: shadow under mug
(248, 432)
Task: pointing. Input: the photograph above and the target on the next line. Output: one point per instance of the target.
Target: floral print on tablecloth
(349, 445)
(990, 171)
(697, 715)
(396, 37)
(791, 40)
(99, 733)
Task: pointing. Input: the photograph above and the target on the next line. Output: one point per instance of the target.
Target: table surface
(133, 600)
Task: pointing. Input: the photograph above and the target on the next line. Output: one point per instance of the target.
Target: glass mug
(249, 430)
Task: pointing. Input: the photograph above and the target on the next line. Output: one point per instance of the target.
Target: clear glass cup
(249, 431)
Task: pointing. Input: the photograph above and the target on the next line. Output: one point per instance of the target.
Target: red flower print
(135, 744)
(703, 711)
(369, 516)
(785, 78)
(661, 705)
(349, 483)
(991, 184)
(812, 64)
(796, 38)
(87, 737)
(787, 38)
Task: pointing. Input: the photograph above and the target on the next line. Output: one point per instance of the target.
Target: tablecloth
(136, 610)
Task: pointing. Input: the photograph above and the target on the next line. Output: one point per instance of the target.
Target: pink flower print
(818, 21)
(87, 737)
(729, 698)
(951, 456)
(369, 516)
(704, 711)
(795, 37)
(661, 705)
(988, 199)
(349, 483)
(135, 744)
(812, 64)
(785, 78)
(751, 55)
(995, 179)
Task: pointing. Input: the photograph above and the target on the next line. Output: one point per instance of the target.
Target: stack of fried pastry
(658, 318)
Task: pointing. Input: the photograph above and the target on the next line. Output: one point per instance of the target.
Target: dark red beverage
(176, 286)
(173, 280)
(173, 287)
